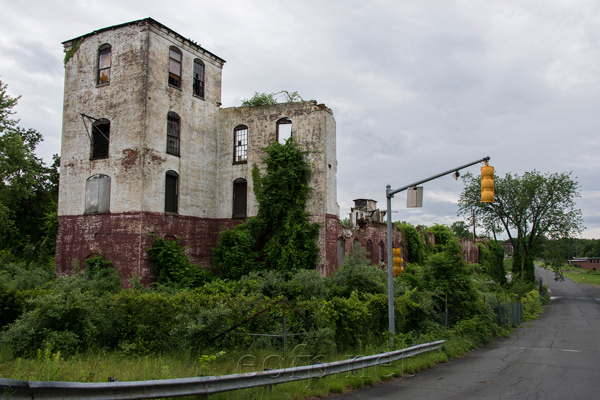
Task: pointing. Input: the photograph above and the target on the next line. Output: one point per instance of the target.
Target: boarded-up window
(171, 191)
(240, 144)
(173, 133)
(341, 251)
(100, 138)
(104, 62)
(240, 195)
(198, 78)
(284, 130)
(175, 66)
(97, 194)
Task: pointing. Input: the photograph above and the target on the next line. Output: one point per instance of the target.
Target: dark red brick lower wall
(125, 238)
(376, 233)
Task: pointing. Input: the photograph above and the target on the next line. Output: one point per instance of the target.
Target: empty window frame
(100, 138)
(104, 63)
(370, 254)
(175, 67)
(198, 78)
(284, 130)
(171, 192)
(97, 194)
(240, 196)
(240, 144)
(381, 252)
(173, 133)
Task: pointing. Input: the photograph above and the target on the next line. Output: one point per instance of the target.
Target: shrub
(532, 306)
(357, 275)
(103, 274)
(173, 267)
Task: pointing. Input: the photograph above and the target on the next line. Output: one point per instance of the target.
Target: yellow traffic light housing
(397, 254)
(487, 184)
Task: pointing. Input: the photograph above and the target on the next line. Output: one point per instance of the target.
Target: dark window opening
(381, 253)
(240, 195)
(104, 63)
(171, 191)
(100, 138)
(198, 78)
(173, 133)
(97, 194)
(370, 255)
(341, 251)
(175, 67)
(284, 130)
(240, 144)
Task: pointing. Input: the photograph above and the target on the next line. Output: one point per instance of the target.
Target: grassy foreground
(98, 367)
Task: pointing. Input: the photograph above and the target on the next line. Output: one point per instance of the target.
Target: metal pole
(390, 268)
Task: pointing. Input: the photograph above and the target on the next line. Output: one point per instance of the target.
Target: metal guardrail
(48, 390)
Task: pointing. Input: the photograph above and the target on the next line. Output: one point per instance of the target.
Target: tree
(461, 230)
(528, 208)
(28, 189)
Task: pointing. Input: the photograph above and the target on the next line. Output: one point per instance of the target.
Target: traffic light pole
(389, 194)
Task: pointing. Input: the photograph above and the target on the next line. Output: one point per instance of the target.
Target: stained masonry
(146, 147)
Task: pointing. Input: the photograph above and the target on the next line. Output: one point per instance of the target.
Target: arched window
(173, 133)
(97, 194)
(381, 252)
(171, 191)
(100, 138)
(370, 254)
(240, 195)
(341, 251)
(175, 66)
(198, 78)
(284, 130)
(104, 63)
(240, 144)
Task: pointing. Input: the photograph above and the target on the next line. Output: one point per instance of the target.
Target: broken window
(171, 191)
(240, 195)
(370, 254)
(175, 67)
(198, 78)
(240, 144)
(284, 130)
(100, 138)
(97, 194)
(381, 253)
(173, 133)
(104, 62)
(341, 251)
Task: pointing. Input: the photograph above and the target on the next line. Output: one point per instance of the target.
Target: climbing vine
(69, 53)
(280, 236)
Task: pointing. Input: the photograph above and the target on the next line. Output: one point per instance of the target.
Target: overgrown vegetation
(270, 99)
(280, 236)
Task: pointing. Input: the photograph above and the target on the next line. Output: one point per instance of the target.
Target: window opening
(104, 63)
(284, 130)
(370, 254)
(175, 67)
(240, 144)
(341, 251)
(171, 191)
(97, 194)
(100, 138)
(381, 252)
(240, 194)
(173, 133)
(198, 78)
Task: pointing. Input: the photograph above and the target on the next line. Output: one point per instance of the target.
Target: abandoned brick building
(147, 148)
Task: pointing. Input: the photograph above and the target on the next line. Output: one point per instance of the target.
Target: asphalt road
(554, 357)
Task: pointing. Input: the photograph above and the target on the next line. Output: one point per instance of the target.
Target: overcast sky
(417, 88)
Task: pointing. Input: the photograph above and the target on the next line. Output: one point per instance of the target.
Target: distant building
(586, 262)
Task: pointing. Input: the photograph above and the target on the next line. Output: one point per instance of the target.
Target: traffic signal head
(397, 254)
(487, 184)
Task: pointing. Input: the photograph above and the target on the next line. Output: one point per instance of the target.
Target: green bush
(532, 306)
(356, 274)
(173, 267)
